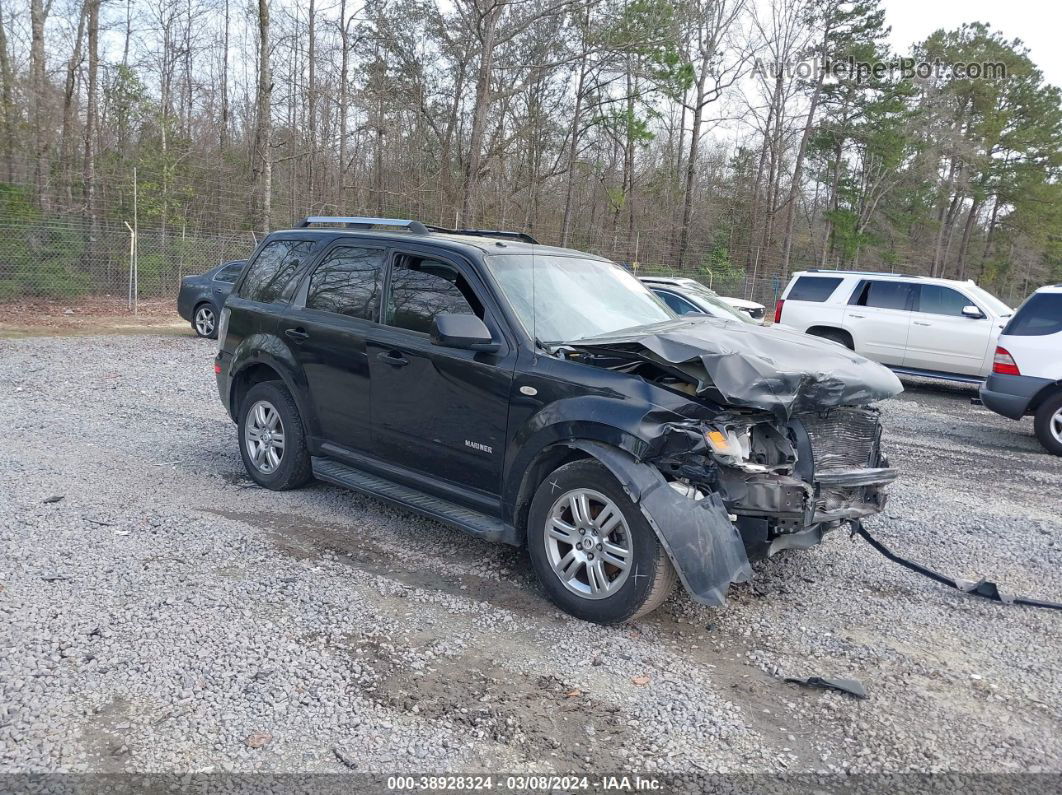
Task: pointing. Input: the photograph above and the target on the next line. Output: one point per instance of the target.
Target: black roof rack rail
(500, 233)
(364, 222)
(864, 273)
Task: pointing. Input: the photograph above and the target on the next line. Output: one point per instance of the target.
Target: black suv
(541, 396)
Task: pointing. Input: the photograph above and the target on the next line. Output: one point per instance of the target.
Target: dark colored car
(201, 297)
(544, 397)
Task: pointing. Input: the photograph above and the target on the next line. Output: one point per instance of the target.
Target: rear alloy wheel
(204, 321)
(1048, 424)
(272, 441)
(592, 548)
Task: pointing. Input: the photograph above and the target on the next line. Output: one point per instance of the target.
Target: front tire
(1048, 424)
(592, 548)
(272, 440)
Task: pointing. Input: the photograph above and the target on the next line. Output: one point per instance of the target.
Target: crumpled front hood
(774, 369)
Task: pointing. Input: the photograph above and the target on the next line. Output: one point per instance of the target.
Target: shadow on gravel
(308, 539)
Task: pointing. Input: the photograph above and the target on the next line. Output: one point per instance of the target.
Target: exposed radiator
(843, 438)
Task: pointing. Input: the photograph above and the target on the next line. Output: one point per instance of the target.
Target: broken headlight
(731, 445)
(758, 447)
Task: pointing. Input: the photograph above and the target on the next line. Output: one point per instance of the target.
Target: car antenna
(534, 303)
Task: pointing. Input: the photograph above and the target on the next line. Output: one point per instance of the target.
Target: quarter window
(936, 300)
(1037, 317)
(348, 283)
(272, 270)
(884, 295)
(230, 272)
(422, 288)
(813, 288)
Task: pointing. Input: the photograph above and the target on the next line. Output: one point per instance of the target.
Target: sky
(1036, 22)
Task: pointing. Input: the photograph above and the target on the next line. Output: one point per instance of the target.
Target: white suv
(915, 325)
(1027, 371)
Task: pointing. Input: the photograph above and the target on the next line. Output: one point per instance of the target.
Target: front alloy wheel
(204, 321)
(588, 544)
(593, 549)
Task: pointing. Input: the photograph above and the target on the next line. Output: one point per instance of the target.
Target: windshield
(571, 298)
(994, 304)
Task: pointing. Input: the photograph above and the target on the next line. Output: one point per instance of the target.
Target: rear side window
(883, 295)
(230, 272)
(680, 306)
(1037, 317)
(422, 288)
(936, 300)
(348, 282)
(271, 272)
(813, 288)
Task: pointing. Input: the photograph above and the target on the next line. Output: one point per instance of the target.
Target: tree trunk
(311, 103)
(691, 169)
(834, 202)
(473, 163)
(66, 135)
(38, 16)
(263, 168)
(573, 142)
(223, 140)
(966, 232)
(7, 102)
(344, 77)
(798, 171)
(91, 112)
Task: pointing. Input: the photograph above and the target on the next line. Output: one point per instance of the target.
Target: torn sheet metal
(852, 687)
(983, 587)
(743, 364)
(704, 546)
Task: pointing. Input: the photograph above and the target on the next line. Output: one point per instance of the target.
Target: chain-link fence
(70, 258)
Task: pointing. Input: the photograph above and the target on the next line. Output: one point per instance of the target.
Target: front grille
(843, 438)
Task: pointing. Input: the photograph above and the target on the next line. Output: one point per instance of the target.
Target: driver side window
(422, 288)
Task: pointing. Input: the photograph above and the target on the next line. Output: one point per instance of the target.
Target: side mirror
(972, 312)
(467, 332)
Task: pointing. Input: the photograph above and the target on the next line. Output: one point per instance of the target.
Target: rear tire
(592, 548)
(834, 335)
(205, 321)
(272, 440)
(1048, 424)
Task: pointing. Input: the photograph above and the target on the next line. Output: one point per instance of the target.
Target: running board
(467, 519)
(913, 371)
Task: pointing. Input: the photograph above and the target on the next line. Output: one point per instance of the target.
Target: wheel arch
(259, 370)
(705, 548)
(1045, 394)
(817, 331)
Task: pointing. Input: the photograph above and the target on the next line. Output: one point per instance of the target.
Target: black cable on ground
(983, 587)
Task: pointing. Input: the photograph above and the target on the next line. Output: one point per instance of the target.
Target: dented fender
(699, 538)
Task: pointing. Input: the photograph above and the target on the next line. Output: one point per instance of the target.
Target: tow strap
(983, 587)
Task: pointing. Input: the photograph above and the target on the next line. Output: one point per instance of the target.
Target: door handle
(858, 316)
(297, 334)
(921, 323)
(394, 358)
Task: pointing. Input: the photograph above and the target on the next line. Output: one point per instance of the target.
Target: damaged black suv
(543, 397)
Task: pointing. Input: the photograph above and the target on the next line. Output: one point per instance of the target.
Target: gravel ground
(166, 615)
